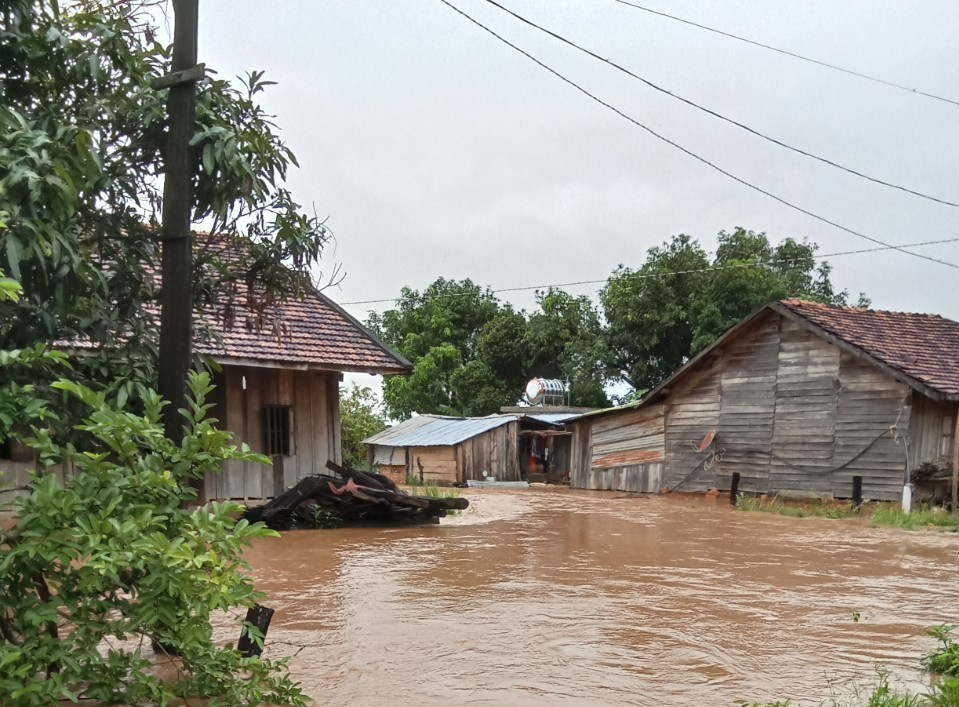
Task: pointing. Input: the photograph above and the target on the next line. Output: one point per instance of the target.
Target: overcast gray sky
(435, 150)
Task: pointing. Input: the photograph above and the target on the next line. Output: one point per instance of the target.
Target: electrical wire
(794, 55)
(720, 116)
(687, 151)
(644, 276)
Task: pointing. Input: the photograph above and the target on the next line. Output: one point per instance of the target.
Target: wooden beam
(955, 464)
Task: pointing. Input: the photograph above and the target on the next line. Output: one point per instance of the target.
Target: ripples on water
(547, 597)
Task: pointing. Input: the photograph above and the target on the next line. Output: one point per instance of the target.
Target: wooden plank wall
(580, 456)
(870, 402)
(931, 431)
(626, 452)
(439, 464)
(314, 397)
(748, 391)
(805, 417)
(788, 408)
(692, 411)
(495, 451)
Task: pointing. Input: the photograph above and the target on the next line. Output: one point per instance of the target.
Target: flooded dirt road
(548, 597)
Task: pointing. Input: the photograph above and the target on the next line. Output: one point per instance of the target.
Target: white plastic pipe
(907, 498)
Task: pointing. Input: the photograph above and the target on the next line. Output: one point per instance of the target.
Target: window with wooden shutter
(278, 423)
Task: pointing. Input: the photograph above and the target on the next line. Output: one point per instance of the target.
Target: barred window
(279, 430)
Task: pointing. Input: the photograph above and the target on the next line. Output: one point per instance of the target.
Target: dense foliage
(472, 353)
(100, 568)
(361, 416)
(82, 135)
(680, 299)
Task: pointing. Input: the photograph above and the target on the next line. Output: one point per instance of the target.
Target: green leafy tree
(98, 569)
(82, 135)
(567, 340)
(680, 301)
(361, 416)
(647, 311)
(465, 349)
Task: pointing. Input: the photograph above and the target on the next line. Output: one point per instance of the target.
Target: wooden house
(280, 394)
(277, 390)
(798, 398)
(448, 450)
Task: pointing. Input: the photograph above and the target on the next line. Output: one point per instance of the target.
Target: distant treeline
(473, 353)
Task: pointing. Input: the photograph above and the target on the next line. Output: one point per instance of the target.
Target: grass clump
(430, 489)
(945, 659)
(815, 508)
(922, 517)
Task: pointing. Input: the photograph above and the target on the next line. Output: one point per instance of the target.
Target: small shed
(798, 399)
(449, 450)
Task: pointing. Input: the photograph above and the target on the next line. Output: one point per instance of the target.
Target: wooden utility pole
(176, 306)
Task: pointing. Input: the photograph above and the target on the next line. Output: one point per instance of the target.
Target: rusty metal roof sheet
(437, 431)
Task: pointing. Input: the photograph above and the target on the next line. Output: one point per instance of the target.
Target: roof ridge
(799, 302)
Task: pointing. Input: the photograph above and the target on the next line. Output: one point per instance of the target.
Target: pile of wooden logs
(350, 498)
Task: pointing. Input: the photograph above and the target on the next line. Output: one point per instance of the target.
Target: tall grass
(430, 489)
(892, 516)
(814, 508)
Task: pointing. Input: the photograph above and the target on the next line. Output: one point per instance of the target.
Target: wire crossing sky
(689, 152)
(867, 77)
(648, 276)
(720, 116)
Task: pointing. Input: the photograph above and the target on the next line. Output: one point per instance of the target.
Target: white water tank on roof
(546, 391)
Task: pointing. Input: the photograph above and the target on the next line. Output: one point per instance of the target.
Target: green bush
(98, 569)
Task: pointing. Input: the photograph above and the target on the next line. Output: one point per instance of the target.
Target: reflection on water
(546, 597)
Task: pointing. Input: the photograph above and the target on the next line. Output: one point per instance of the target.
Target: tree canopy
(82, 134)
(361, 416)
(472, 353)
(680, 299)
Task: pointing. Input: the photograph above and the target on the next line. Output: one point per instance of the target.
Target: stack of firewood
(350, 498)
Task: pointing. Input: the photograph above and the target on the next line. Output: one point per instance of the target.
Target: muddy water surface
(547, 597)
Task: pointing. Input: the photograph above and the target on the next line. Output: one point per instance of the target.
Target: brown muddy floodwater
(546, 597)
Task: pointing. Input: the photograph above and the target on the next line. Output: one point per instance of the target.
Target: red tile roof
(924, 347)
(313, 332)
(310, 332)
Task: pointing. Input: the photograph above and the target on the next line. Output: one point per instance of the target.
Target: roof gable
(923, 349)
(920, 350)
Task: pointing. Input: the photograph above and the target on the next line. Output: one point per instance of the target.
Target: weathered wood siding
(439, 464)
(495, 452)
(626, 452)
(692, 411)
(747, 386)
(581, 440)
(870, 403)
(314, 398)
(932, 428)
(793, 415)
(805, 416)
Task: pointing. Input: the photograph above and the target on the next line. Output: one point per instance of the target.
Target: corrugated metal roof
(555, 418)
(435, 431)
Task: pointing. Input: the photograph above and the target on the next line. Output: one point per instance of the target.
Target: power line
(715, 114)
(794, 55)
(685, 150)
(662, 275)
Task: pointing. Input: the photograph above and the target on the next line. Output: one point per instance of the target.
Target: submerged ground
(547, 597)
